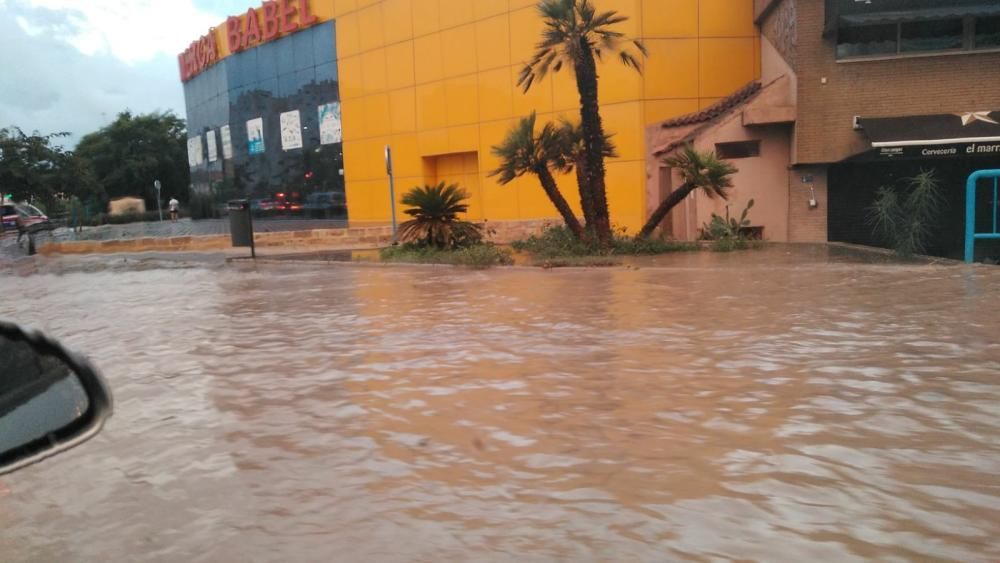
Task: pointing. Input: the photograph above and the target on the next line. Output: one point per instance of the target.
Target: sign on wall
(213, 151)
(255, 136)
(194, 151)
(330, 130)
(291, 130)
(227, 142)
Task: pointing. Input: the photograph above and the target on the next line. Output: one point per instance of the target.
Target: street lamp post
(157, 185)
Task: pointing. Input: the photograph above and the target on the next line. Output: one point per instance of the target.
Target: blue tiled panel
(324, 43)
(326, 72)
(302, 48)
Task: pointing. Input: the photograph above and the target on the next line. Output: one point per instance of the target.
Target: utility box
(240, 223)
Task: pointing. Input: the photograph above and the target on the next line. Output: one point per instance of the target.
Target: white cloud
(133, 31)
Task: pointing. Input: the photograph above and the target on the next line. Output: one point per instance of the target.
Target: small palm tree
(435, 222)
(522, 152)
(573, 155)
(576, 36)
(698, 170)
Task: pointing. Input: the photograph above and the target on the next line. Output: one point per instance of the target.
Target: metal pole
(392, 190)
(157, 185)
(392, 201)
(253, 248)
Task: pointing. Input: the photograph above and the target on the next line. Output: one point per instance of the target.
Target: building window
(988, 33)
(914, 37)
(739, 149)
(940, 35)
(865, 40)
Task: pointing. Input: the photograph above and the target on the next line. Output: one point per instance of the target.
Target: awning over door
(940, 129)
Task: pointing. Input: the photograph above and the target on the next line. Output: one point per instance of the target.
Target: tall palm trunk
(586, 201)
(593, 141)
(665, 206)
(557, 199)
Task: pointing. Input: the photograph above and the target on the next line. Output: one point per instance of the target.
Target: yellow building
(436, 81)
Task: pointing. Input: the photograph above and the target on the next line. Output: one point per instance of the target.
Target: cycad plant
(435, 211)
(701, 170)
(577, 36)
(906, 218)
(523, 151)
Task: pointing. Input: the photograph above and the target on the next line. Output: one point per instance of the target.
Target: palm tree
(575, 35)
(522, 152)
(698, 170)
(572, 156)
(435, 222)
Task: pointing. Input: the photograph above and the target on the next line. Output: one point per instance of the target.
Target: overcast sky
(72, 65)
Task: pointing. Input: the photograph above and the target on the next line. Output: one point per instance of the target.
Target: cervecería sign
(274, 19)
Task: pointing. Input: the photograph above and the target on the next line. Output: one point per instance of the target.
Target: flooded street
(781, 405)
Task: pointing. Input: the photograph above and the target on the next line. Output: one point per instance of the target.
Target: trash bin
(240, 223)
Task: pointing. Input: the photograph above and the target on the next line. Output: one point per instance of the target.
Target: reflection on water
(764, 405)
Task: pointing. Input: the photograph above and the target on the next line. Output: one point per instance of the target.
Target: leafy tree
(134, 150)
(576, 35)
(29, 165)
(34, 168)
(523, 152)
(435, 222)
(698, 170)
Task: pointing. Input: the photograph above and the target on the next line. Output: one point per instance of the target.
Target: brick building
(865, 93)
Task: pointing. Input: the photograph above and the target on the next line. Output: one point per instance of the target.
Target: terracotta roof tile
(716, 109)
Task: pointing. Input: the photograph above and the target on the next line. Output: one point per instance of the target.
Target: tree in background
(701, 170)
(524, 152)
(34, 168)
(576, 36)
(131, 152)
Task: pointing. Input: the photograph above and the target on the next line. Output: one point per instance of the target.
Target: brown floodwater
(788, 404)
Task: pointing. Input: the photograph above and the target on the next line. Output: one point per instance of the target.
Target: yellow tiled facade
(436, 80)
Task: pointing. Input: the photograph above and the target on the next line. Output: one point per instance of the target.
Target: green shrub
(559, 242)
(483, 255)
(730, 244)
(435, 210)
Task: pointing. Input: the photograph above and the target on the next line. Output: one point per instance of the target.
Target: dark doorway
(853, 186)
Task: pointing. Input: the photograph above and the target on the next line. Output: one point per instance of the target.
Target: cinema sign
(272, 20)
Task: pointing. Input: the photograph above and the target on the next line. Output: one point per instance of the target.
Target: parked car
(322, 204)
(31, 218)
(263, 204)
(8, 217)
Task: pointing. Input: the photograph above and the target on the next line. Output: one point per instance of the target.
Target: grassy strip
(559, 243)
(479, 256)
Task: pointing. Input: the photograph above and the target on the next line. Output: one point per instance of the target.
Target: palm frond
(573, 31)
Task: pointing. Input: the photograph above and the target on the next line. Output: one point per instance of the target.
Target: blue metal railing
(971, 236)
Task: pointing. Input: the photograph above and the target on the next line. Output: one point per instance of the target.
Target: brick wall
(807, 224)
(945, 83)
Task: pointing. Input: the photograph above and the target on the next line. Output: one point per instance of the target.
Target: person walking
(173, 205)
